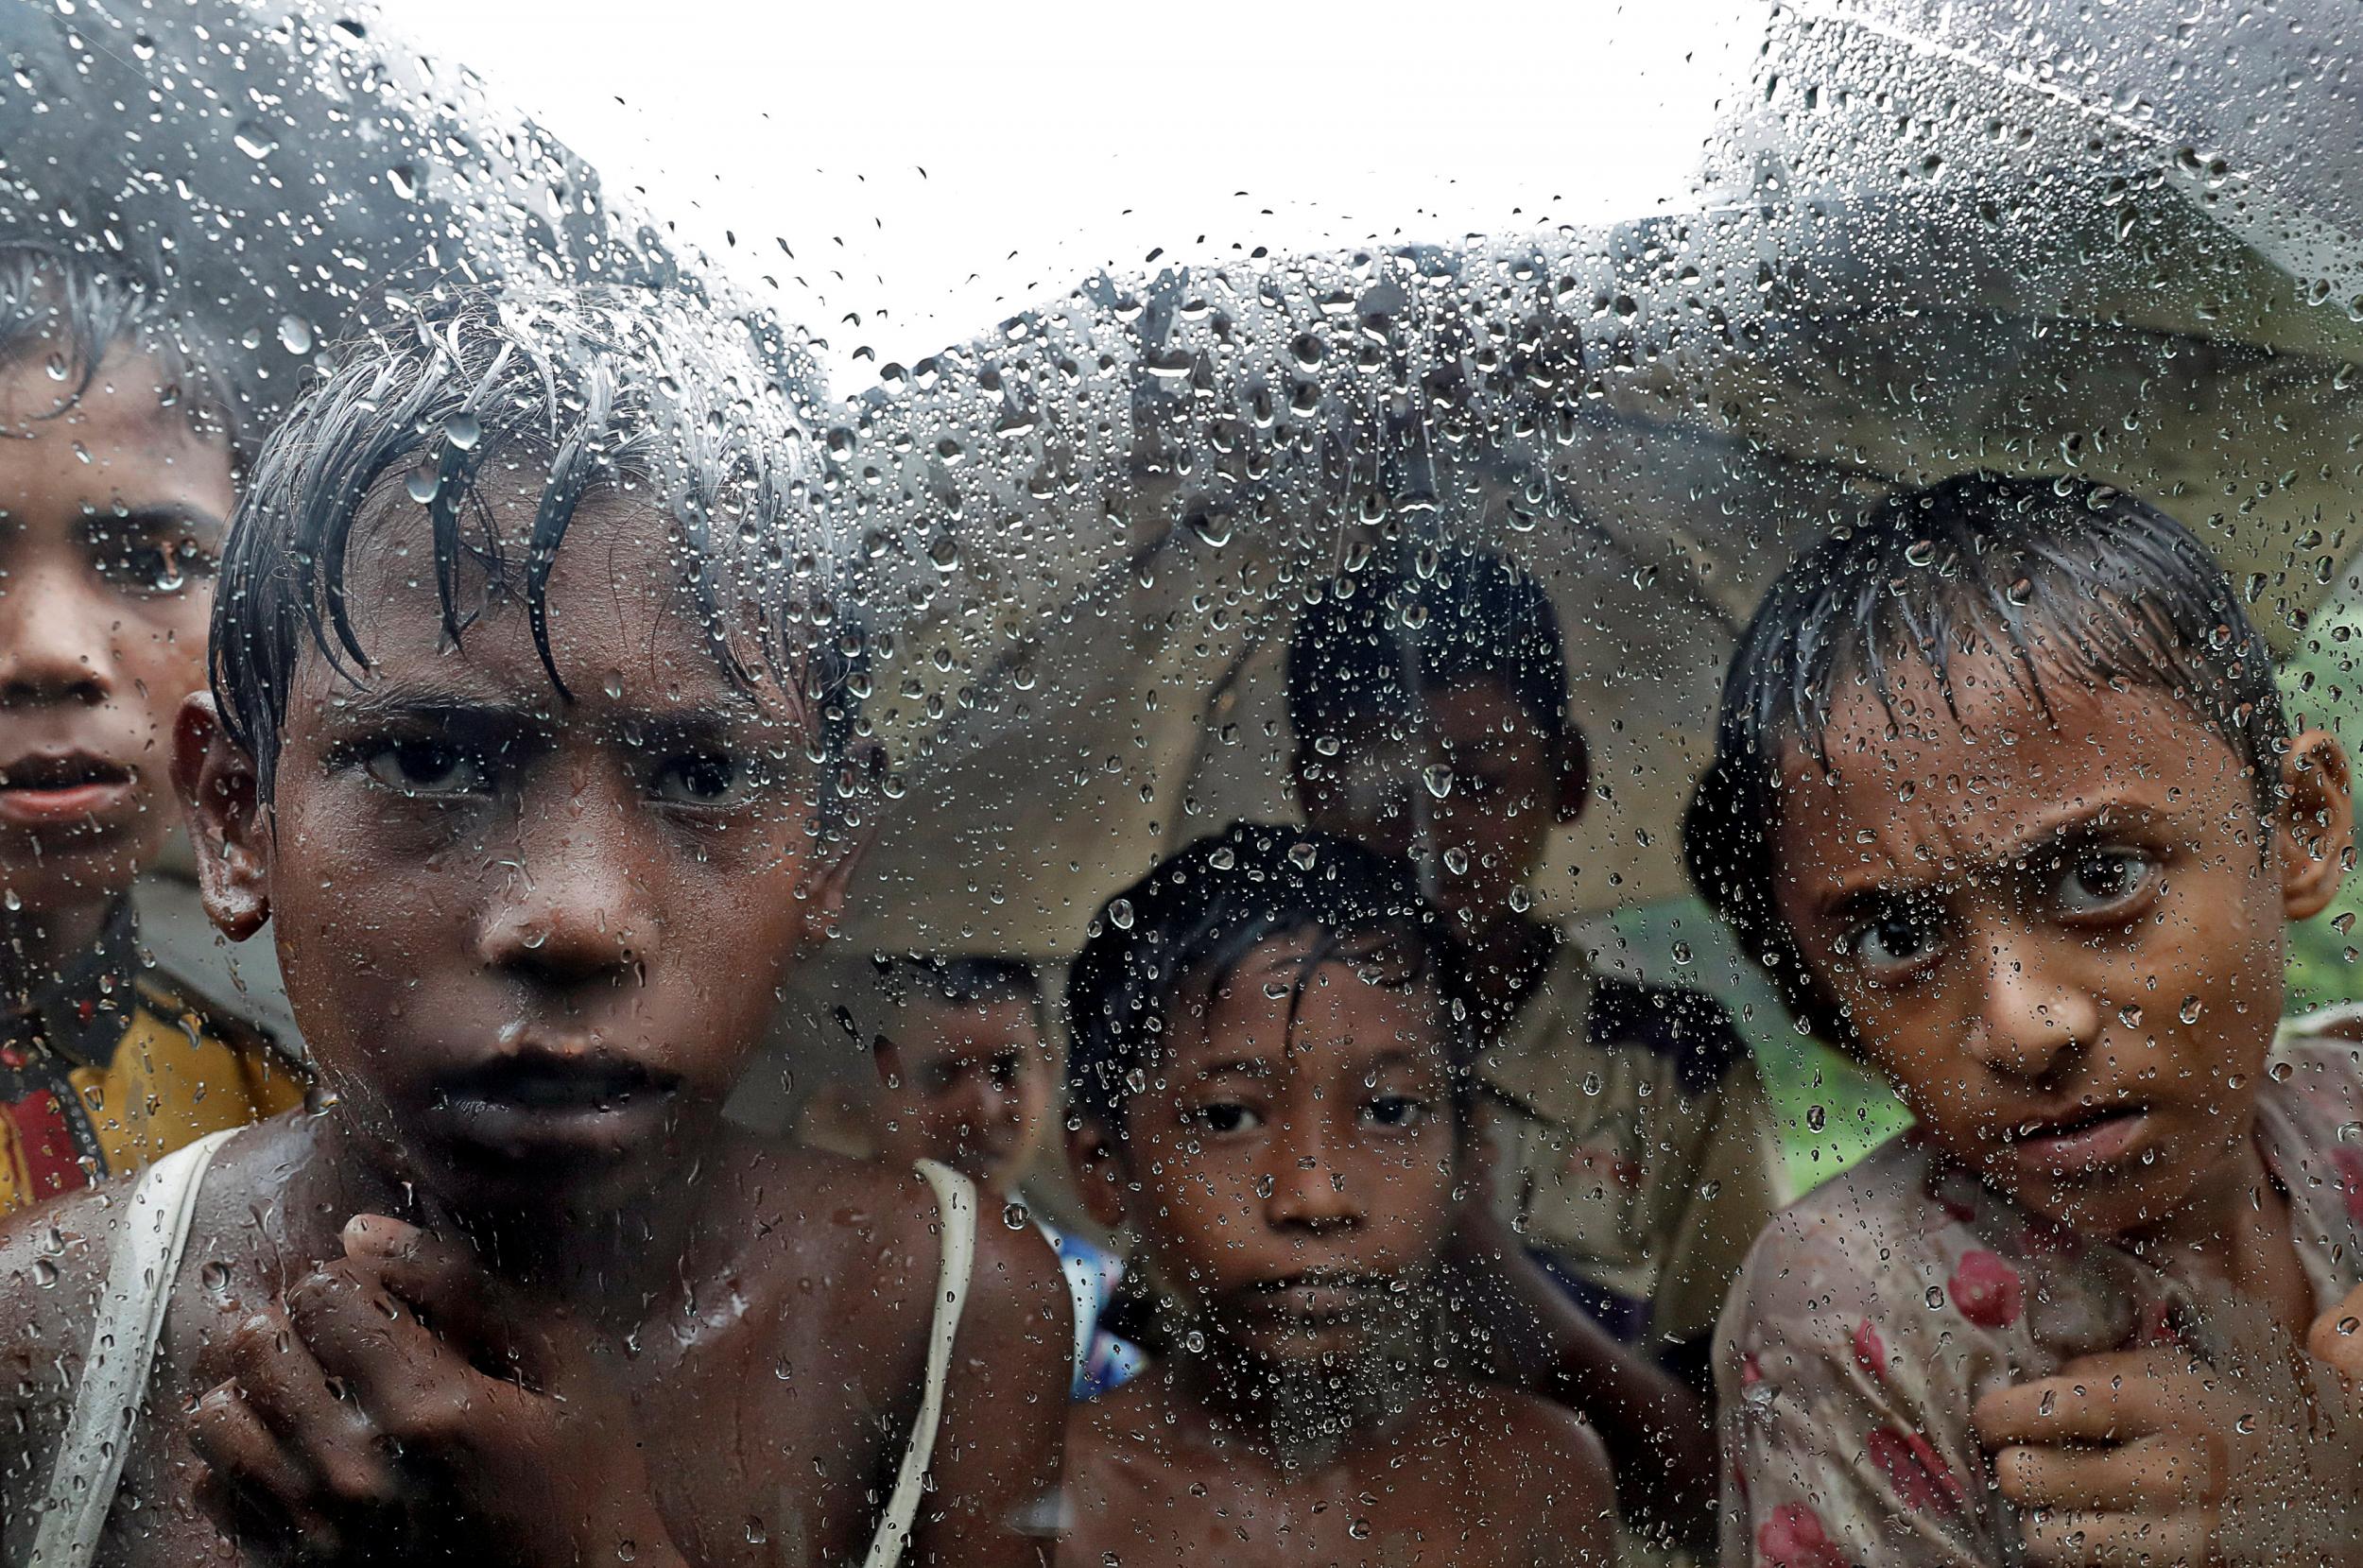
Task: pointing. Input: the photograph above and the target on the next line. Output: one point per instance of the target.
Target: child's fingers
(2069, 1539)
(2152, 1475)
(447, 1287)
(412, 1387)
(2337, 1337)
(285, 1386)
(2047, 1413)
(249, 1477)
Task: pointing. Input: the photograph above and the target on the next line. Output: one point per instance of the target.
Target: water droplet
(1194, 1342)
(1438, 777)
(2043, 1407)
(758, 1532)
(1222, 859)
(405, 181)
(1457, 861)
(215, 1277)
(1360, 1529)
(1214, 527)
(295, 335)
(463, 430)
(44, 1273)
(1936, 1297)
(423, 485)
(1816, 1118)
(1920, 552)
(1120, 914)
(1592, 1083)
(2130, 1016)
(2190, 1009)
(10, 899)
(1015, 1216)
(254, 139)
(1303, 856)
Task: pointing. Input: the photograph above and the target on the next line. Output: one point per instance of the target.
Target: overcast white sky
(931, 166)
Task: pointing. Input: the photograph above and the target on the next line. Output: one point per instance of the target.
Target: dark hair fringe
(2064, 578)
(87, 307)
(1203, 910)
(1367, 643)
(608, 388)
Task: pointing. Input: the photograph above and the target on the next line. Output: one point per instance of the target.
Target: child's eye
(1892, 939)
(702, 778)
(428, 767)
(152, 566)
(1226, 1117)
(1396, 1110)
(2097, 881)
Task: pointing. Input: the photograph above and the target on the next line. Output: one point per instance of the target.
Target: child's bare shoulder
(842, 1225)
(1504, 1433)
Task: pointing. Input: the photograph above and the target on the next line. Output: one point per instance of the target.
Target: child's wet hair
(2065, 578)
(74, 310)
(1188, 924)
(956, 979)
(1373, 642)
(604, 390)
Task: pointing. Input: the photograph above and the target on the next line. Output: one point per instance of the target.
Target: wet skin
(111, 510)
(531, 942)
(2060, 934)
(969, 1085)
(1293, 1189)
(2063, 942)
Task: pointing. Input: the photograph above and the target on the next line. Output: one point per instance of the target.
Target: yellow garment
(80, 1107)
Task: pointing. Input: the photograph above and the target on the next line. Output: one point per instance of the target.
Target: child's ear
(1100, 1173)
(2317, 820)
(228, 827)
(1574, 783)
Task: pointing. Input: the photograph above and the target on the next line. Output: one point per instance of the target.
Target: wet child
(1270, 1078)
(1633, 1148)
(119, 468)
(2005, 798)
(521, 736)
(965, 1076)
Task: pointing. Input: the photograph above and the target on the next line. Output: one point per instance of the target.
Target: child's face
(1293, 1179)
(2061, 937)
(966, 1084)
(112, 515)
(1510, 787)
(532, 941)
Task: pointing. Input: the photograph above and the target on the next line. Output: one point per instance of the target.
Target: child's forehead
(623, 626)
(1288, 997)
(1998, 765)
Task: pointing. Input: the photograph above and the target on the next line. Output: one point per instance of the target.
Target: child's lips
(542, 1103)
(2084, 1142)
(45, 789)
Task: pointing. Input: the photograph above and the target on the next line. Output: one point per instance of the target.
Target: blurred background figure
(119, 455)
(967, 1076)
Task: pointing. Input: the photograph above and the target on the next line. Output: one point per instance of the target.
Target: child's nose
(564, 909)
(2029, 1019)
(53, 641)
(1304, 1189)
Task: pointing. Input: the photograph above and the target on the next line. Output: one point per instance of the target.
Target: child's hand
(2124, 1457)
(474, 1424)
(2337, 1340)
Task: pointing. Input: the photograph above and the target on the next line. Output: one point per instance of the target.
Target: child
(2003, 796)
(1635, 1146)
(519, 734)
(966, 1077)
(1270, 1078)
(118, 472)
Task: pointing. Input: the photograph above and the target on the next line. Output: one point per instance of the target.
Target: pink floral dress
(1872, 1316)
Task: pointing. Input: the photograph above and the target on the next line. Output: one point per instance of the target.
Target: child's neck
(1507, 958)
(1300, 1417)
(40, 948)
(609, 1264)
(2235, 1233)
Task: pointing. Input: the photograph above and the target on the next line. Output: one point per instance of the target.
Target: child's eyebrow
(160, 517)
(2071, 827)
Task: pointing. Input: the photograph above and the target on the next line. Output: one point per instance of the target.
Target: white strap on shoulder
(130, 1318)
(955, 1201)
